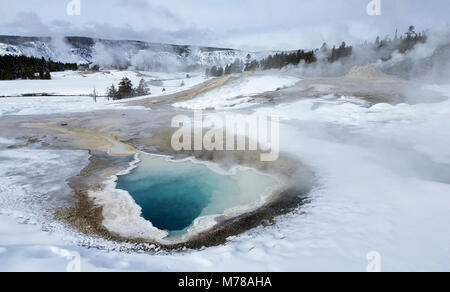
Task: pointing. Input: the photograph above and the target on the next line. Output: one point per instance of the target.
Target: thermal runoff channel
(172, 194)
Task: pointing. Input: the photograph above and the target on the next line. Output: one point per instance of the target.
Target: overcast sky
(244, 24)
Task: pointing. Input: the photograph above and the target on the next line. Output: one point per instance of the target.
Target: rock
(266, 223)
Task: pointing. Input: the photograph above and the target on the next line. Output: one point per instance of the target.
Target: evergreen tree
(111, 92)
(125, 89)
(237, 66)
(378, 41)
(411, 40)
(411, 34)
(22, 67)
(142, 88)
(213, 71)
(220, 72)
(228, 70)
(216, 71)
(341, 52)
(248, 61)
(254, 65)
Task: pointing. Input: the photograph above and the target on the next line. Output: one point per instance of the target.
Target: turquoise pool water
(173, 194)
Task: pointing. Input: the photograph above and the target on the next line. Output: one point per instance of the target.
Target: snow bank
(236, 94)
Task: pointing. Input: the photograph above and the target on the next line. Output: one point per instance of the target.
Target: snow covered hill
(123, 54)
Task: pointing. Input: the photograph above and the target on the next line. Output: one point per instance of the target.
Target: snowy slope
(42, 49)
(6, 49)
(107, 53)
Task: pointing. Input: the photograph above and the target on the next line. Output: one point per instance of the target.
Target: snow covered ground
(73, 89)
(54, 105)
(237, 93)
(383, 185)
(78, 83)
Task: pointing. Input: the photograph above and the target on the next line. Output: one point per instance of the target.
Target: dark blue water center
(173, 194)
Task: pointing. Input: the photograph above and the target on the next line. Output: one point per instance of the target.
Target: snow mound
(366, 72)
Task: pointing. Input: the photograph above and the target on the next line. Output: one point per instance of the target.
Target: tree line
(126, 89)
(22, 67)
(281, 60)
(276, 61)
(402, 44)
(405, 42)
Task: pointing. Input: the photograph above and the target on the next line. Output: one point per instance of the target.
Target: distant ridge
(121, 53)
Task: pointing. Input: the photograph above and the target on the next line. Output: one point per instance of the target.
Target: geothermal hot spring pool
(173, 194)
